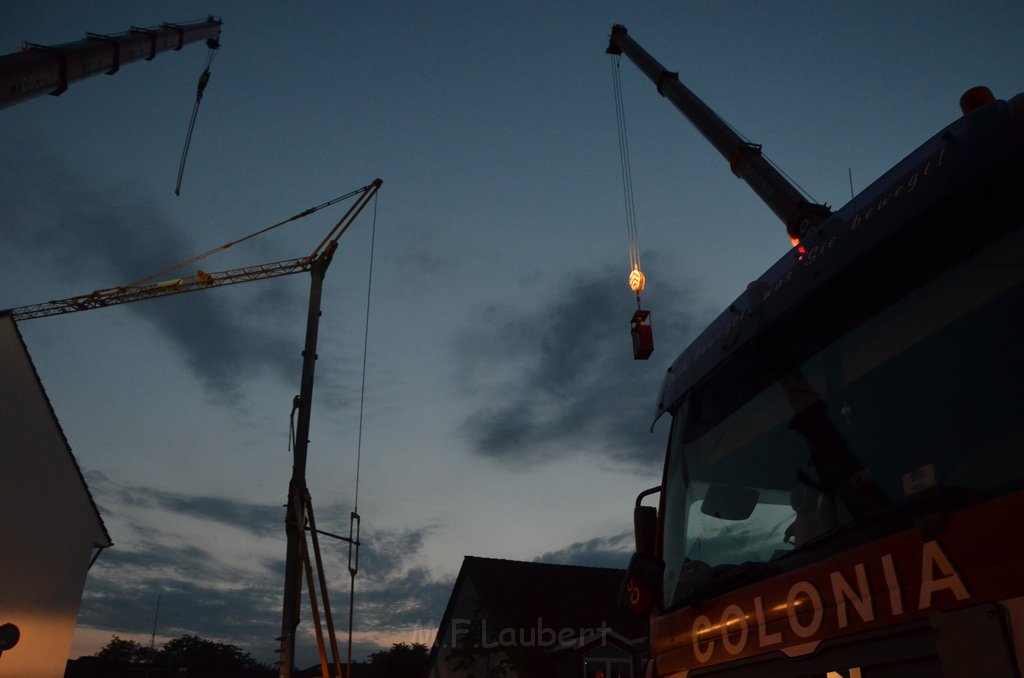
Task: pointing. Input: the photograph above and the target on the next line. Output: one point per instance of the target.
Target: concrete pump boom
(745, 159)
(36, 69)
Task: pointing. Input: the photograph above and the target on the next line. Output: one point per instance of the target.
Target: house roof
(5, 317)
(566, 596)
(572, 600)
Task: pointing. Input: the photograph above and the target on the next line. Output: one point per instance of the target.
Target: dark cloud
(611, 552)
(239, 602)
(257, 519)
(561, 378)
(387, 551)
(403, 601)
(197, 595)
(70, 229)
(394, 592)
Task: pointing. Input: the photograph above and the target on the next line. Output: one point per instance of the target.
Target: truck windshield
(922, 397)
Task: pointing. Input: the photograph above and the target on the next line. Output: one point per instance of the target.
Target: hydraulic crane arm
(38, 69)
(745, 159)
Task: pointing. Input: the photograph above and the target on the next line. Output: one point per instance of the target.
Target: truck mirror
(645, 528)
(642, 584)
(729, 502)
(9, 636)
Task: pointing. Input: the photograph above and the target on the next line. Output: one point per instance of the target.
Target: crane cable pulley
(204, 80)
(643, 341)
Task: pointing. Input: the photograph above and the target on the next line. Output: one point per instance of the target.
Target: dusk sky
(504, 414)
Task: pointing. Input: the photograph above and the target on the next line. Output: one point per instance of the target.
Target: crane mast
(35, 70)
(745, 159)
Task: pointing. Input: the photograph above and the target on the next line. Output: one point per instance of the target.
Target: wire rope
(771, 162)
(354, 521)
(636, 276)
(221, 248)
(627, 175)
(366, 343)
(204, 79)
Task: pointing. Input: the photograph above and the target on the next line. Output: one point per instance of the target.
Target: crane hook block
(643, 338)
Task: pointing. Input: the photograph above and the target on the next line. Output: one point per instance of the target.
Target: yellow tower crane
(299, 518)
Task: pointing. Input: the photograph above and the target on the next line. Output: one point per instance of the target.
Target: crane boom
(200, 281)
(745, 159)
(37, 69)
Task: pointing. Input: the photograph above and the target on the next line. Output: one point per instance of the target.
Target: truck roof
(956, 158)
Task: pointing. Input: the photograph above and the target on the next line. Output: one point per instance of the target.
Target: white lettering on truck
(805, 607)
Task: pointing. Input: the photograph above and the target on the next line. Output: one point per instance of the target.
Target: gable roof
(516, 593)
(525, 595)
(7, 319)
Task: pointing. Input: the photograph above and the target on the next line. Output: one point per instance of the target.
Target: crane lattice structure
(201, 280)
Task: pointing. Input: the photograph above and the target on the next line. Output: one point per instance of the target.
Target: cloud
(198, 595)
(259, 520)
(69, 228)
(561, 378)
(217, 566)
(393, 592)
(613, 552)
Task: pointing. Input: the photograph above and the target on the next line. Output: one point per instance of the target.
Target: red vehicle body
(843, 492)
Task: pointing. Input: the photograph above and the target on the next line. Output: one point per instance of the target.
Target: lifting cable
(354, 519)
(636, 276)
(640, 324)
(204, 80)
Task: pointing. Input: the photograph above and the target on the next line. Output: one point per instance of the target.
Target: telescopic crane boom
(745, 159)
(37, 69)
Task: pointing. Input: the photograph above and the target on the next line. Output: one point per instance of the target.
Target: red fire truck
(843, 490)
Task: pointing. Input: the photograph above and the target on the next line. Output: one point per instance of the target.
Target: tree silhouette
(125, 652)
(185, 657)
(194, 655)
(401, 661)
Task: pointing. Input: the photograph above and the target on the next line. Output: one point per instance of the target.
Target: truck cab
(843, 489)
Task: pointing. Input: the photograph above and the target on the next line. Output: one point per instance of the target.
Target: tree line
(194, 657)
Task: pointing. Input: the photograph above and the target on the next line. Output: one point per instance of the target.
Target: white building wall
(48, 523)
